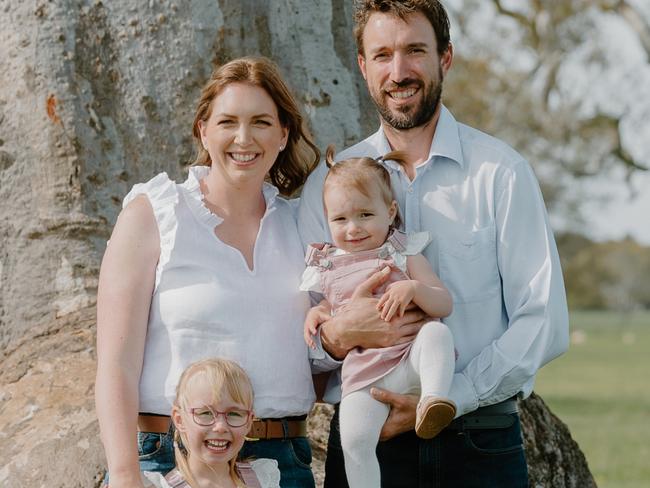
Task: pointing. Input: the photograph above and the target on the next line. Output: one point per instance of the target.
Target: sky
(623, 215)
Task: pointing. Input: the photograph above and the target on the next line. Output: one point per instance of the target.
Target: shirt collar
(445, 144)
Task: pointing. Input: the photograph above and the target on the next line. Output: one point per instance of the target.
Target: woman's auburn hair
(300, 156)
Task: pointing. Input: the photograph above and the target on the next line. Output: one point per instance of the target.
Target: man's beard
(401, 119)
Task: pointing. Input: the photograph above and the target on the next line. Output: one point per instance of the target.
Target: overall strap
(399, 240)
(176, 480)
(317, 254)
(246, 473)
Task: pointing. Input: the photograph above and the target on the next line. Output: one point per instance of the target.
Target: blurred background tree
(567, 83)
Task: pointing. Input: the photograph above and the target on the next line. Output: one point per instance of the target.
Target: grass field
(601, 390)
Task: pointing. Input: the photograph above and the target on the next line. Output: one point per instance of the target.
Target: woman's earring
(281, 148)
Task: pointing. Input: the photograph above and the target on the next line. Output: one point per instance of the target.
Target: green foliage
(605, 275)
(600, 389)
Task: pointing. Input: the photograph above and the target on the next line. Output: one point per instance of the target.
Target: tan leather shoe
(433, 415)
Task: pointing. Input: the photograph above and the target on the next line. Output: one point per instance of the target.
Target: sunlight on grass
(601, 390)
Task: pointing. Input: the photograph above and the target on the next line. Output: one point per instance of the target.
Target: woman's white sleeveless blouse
(208, 303)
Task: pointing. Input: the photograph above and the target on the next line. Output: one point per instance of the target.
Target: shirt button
(410, 190)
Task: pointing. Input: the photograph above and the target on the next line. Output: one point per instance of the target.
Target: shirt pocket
(468, 264)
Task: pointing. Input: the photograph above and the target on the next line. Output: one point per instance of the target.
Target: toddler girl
(363, 219)
(212, 414)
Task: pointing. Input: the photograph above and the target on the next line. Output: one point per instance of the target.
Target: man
(492, 247)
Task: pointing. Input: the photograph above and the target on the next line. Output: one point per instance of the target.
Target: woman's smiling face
(243, 134)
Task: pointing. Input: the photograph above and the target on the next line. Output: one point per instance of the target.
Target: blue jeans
(156, 452)
(293, 457)
(466, 458)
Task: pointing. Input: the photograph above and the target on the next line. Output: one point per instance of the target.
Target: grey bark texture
(94, 97)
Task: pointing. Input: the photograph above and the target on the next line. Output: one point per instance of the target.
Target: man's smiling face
(402, 68)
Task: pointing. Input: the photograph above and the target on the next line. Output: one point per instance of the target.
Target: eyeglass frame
(216, 413)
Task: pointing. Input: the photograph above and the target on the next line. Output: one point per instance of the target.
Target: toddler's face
(357, 222)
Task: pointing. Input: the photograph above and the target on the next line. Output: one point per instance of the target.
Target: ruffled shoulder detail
(195, 197)
(399, 245)
(151, 479)
(162, 193)
(310, 280)
(317, 259)
(267, 472)
(416, 243)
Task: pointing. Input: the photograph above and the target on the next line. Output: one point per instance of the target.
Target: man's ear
(362, 65)
(446, 59)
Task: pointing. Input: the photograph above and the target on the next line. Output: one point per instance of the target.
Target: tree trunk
(95, 97)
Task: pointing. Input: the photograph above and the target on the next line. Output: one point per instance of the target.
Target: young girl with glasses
(363, 218)
(212, 414)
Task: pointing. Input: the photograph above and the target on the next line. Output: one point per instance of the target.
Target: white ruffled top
(207, 302)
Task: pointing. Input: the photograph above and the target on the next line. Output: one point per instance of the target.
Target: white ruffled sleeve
(163, 196)
(416, 243)
(267, 472)
(311, 280)
(153, 480)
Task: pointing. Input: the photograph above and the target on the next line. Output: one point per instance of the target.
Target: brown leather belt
(286, 428)
(158, 424)
(262, 429)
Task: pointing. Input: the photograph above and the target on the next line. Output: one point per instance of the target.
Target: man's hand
(402, 412)
(358, 322)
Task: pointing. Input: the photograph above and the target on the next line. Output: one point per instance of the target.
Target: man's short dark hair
(432, 10)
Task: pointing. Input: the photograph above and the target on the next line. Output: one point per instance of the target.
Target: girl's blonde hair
(225, 377)
(300, 156)
(364, 173)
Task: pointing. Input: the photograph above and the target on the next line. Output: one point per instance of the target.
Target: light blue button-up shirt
(492, 247)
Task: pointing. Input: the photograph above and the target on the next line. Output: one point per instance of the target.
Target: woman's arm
(126, 282)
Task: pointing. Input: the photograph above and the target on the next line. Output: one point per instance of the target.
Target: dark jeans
(293, 457)
(471, 458)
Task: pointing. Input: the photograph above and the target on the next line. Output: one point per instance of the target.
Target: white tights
(428, 369)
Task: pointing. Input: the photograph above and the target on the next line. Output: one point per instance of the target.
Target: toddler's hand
(396, 298)
(316, 316)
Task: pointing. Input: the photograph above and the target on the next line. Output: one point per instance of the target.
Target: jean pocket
(149, 444)
(301, 452)
(495, 442)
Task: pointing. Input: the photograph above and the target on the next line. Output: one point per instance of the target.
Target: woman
(211, 267)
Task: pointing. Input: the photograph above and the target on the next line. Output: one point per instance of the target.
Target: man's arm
(533, 296)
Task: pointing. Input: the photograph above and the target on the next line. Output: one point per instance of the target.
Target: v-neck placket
(209, 220)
